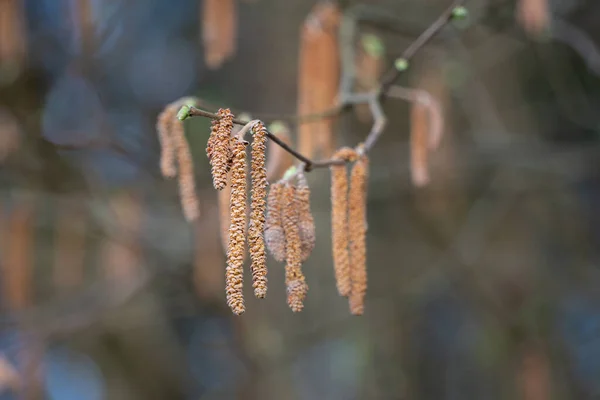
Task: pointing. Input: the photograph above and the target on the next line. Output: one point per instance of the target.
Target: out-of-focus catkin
(164, 123)
(279, 159)
(294, 278)
(187, 185)
(13, 47)
(534, 15)
(370, 65)
(10, 133)
(318, 78)
(219, 31)
(357, 228)
(217, 148)
(274, 233)
(234, 274)
(339, 220)
(256, 239)
(306, 223)
(419, 144)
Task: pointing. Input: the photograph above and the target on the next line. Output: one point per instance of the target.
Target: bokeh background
(482, 285)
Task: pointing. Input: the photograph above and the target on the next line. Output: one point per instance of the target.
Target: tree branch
(373, 99)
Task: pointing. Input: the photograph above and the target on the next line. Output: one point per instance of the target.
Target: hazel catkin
(187, 185)
(218, 148)
(234, 273)
(274, 233)
(256, 239)
(294, 278)
(306, 222)
(357, 228)
(339, 220)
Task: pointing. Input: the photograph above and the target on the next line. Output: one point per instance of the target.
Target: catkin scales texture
(187, 185)
(294, 278)
(339, 221)
(218, 148)
(419, 144)
(318, 78)
(357, 228)
(257, 217)
(274, 233)
(234, 273)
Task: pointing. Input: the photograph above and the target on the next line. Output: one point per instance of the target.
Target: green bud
(401, 64)
(184, 113)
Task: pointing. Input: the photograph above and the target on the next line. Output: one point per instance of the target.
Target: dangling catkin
(419, 144)
(187, 186)
(318, 78)
(279, 159)
(256, 239)
(234, 274)
(219, 31)
(274, 233)
(306, 223)
(217, 148)
(294, 278)
(357, 228)
(164, 124)
(339, 220)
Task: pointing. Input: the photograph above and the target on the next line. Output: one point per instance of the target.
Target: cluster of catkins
(349, 226)
(227, 157)
(290, 233)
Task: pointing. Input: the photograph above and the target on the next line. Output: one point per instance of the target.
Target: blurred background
(483, 284)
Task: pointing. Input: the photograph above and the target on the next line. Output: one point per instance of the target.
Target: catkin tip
(296, 293)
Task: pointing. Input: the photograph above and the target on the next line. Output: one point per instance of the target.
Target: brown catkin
(357, 228)
(187, 185)
(369, 65)
(306, 222)
(224, 200)
(339, 221)
(419, 144)
(294, 278)
(318, 78)
(256, 240)
(234, 274)
(219, 31)
(218, 148)
(164, 123)
(274, 233)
